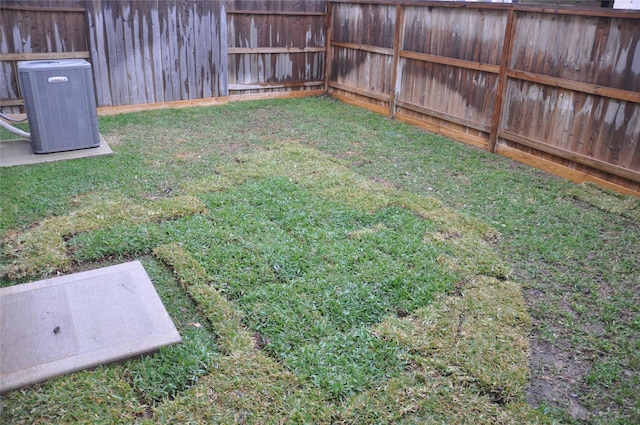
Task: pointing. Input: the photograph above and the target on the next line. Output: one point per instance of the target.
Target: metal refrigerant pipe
(14, 130)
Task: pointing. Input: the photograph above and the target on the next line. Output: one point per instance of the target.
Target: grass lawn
(324, 264)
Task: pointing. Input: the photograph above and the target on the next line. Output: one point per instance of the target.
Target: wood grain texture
(465, 34)
(601, 128)
(603, 51)
(34, 32)
(569, 96)
(159, 51)
(566, 78)
(275, 48)
(365, 24)
(364, 39)
(456, 91)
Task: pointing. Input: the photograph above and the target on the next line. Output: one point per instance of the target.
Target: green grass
(327, 265)
(122, 393)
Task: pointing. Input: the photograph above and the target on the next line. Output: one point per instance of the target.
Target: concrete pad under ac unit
(61, 325)
(18, 152)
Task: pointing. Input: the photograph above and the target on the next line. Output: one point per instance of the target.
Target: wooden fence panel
(554, 88)
(573, 96)
(275, 51)
(276, 46)
(157, 51)
(470, 34)
(365, 24)
(362, 43)
(597, 50)
(449, 66)
(35, 32)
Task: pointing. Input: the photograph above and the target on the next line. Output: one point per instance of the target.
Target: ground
(217, 199)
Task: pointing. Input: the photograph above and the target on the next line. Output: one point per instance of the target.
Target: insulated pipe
(14, 130)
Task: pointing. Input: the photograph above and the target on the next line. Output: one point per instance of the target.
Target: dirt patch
(386, 183)
(556, 372)
(114, 139)
(555, 376)
(260, 341)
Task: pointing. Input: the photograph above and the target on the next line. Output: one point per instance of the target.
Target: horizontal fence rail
(556, 88)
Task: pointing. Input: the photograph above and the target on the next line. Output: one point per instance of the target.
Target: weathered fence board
(360, 66)
(274, 51)
(30, 32)
(598, 50)
(474, 35)
(573, 94)
(158, 51)
(141, 51)
(275, 46)
(556, 88)
(450, 64)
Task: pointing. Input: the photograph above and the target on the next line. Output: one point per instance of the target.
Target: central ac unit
(60, 104)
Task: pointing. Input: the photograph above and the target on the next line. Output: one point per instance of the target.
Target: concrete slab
(64, 324)
(18, 152)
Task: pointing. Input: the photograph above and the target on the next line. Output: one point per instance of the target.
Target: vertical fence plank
(555, 87)
(396, 71)
(99, 60)
(509, 34)
(329, 53)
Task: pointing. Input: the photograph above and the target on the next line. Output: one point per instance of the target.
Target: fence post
(327, 54)
(505, 59)
(396, 73)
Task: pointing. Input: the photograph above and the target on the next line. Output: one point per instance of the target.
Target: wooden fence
(159, 51)
(27, 33)
(555, 88)
(276, 46)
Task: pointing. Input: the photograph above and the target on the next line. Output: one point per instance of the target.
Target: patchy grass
(327, 265)
(129, 391)
(42, 249)
(225, 318)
